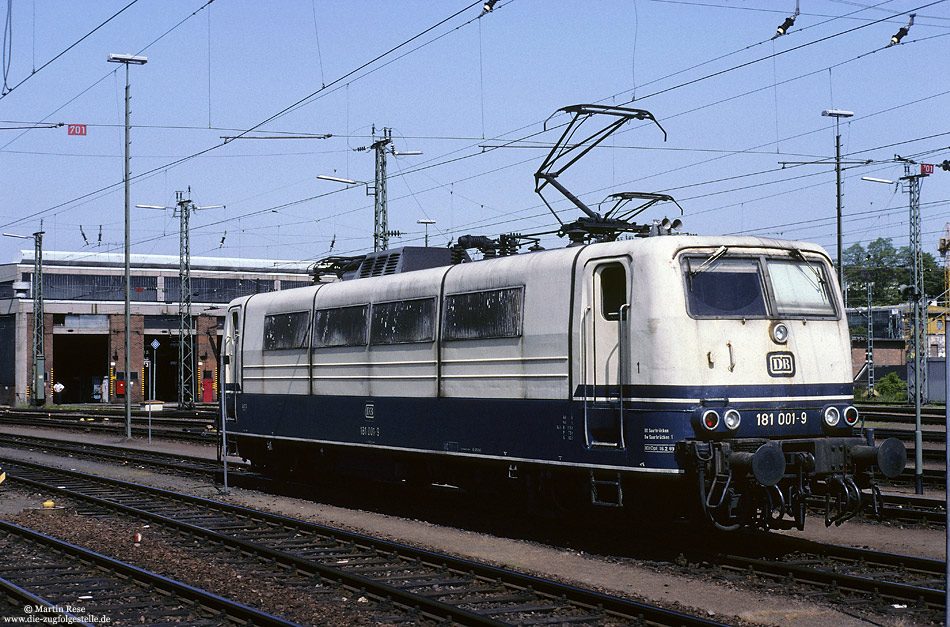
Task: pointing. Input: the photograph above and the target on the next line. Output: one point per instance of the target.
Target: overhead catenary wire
(111, 73)
(408, 171)
(351, 73)
(340, 80)
(7, 90)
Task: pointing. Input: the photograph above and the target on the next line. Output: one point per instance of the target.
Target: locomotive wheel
(568, 493)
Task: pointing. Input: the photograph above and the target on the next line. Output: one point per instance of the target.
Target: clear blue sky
(734, 101)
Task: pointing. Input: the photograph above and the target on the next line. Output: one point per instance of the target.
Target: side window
(235, 329)
(341, 326)
(286, 330)
(483, 315)
(613, 290)
(404, 321)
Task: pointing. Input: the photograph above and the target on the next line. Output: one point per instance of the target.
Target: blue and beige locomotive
(697, 374)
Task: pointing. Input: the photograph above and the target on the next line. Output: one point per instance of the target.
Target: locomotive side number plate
(781, 418)
(780, 364)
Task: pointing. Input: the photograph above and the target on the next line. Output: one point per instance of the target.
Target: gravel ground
(116, 538)
(729, 603)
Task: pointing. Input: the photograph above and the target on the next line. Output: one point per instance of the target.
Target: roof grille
(399, 260)
(385, 262)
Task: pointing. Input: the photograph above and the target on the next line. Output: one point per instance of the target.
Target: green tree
(888, 268)
(882, 264)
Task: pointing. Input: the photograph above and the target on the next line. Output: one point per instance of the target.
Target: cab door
(231, 358)
(604, 318)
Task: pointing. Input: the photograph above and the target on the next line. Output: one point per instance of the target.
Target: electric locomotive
(697, 374)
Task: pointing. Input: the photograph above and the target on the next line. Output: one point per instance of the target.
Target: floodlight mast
(837, 114)
(127, 60)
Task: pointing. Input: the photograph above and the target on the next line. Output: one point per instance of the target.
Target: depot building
(83, 345)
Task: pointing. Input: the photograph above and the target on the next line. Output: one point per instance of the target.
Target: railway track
(201, 411)
(914, 509)
(54, 581)
(881, 583)
(204, 467)
(902, 414)
(415, 582)
(897, 507)
(193, 428)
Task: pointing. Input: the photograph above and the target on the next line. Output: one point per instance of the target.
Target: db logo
(781, 364)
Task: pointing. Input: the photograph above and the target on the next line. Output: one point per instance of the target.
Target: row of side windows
(470, 316)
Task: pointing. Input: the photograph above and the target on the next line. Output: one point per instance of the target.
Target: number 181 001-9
(781, 418)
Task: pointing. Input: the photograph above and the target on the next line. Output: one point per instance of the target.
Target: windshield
(729, 287)
(800, 288)
(756, 287)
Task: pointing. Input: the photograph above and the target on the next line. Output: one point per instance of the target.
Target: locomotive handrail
(584, 369)
(624, 308)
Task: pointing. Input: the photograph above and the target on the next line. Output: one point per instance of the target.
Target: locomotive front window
(726, 287)
(800, 288)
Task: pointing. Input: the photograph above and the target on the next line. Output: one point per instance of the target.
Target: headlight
(779, 333)
(710, 419)
(832, 416)
(851, 415)
(732, 419)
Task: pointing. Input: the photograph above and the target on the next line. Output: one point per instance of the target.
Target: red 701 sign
(76, 129)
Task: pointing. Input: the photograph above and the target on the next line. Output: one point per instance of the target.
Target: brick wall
(137, 352)
(886, 353)
(205, 352)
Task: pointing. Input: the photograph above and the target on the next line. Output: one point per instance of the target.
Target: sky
(245, 103)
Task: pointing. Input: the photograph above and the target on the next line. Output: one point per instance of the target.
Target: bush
(891, 388)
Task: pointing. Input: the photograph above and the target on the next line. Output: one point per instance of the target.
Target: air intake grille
(385, 263)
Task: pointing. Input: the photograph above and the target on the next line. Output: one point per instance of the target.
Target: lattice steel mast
(918, 344)
(381, 224)
(39, 321)
(186, 325)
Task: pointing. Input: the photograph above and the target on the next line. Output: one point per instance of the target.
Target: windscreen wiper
(797, 254)
(711, 260)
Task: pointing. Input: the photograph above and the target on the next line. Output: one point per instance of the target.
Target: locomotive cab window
(613, 290)
(767, 286)
(800, 287)
(286, 330)
(725, 288)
